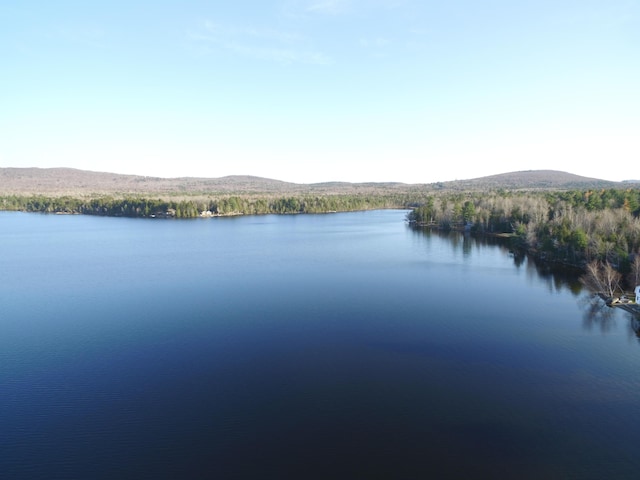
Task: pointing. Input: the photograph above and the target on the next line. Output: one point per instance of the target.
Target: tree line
(133, 206)
(573, 227)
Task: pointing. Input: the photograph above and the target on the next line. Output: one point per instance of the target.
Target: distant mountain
(69, 181)
(530, 180)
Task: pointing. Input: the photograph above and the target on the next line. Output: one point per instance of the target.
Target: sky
(414, 91)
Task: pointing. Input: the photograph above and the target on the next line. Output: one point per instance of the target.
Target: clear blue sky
(316, 90)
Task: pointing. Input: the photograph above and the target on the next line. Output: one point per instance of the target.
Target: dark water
(329, 346)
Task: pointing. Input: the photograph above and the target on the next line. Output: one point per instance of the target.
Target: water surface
(317, 346)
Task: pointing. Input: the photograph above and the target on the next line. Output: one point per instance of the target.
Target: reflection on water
(518, 257)
(597, 314)
(557, 277)
(634, 326)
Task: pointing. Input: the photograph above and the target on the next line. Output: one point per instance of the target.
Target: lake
(311, 346)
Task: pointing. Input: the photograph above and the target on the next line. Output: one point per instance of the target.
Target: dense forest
(572, 227)
(186, 207)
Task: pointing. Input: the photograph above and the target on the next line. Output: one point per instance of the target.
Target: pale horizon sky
(306, 91)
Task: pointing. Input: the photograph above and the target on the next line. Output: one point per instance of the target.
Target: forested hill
(67, 181)
(530, 180)
(73, 182)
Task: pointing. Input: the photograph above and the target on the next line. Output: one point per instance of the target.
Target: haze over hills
(67, 181)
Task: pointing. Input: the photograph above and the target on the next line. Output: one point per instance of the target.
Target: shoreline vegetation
(570, 227)
(200, 206)
(597, 231)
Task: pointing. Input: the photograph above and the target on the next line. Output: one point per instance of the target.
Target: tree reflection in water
(596, 313)
(634, 326)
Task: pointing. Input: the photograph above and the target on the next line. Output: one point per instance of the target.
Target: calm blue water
(317, 346)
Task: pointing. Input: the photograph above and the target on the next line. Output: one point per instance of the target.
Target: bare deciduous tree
(602, 278)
